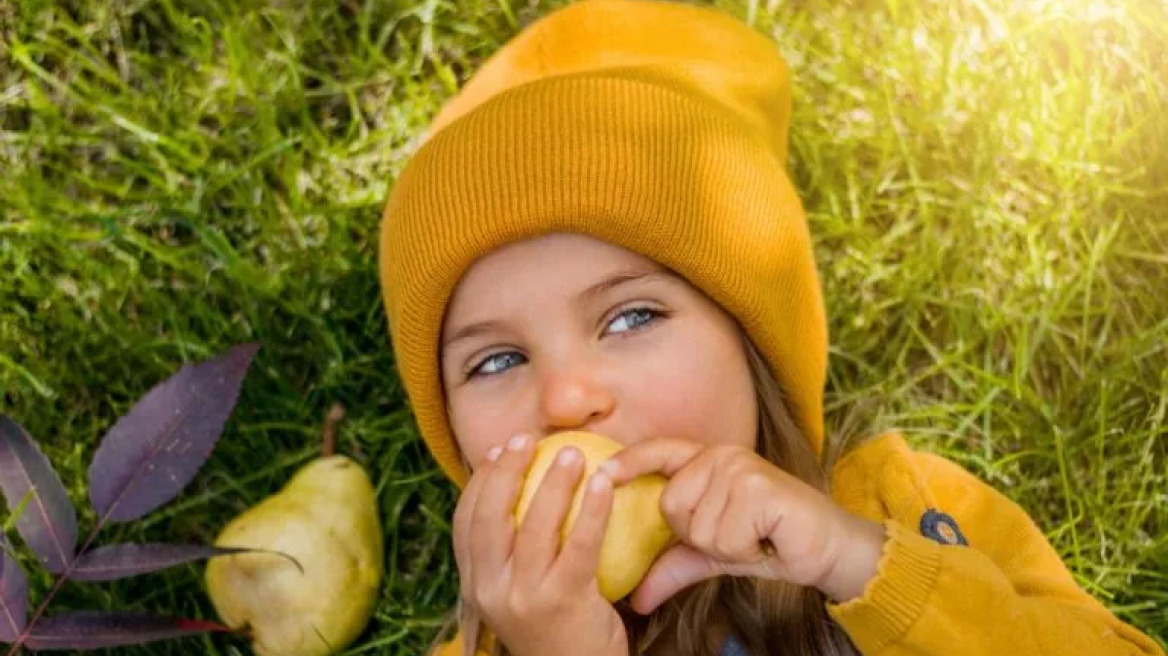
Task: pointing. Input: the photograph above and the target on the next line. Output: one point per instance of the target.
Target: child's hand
(738, 514)
(536, 600)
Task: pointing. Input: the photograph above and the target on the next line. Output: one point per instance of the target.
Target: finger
(682, 496)
(662, 455)
(492, 524)
(770, 506)
(707, 517)
(539, 538)
(682, 566)
(467, 499)
(580, 557)
(463, 513)
(675, 570)
(741, 533)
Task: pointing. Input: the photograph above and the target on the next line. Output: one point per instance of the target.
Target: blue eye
(634, 319)
(496, 363)
(630, 320)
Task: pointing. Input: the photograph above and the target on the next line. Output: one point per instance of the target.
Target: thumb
(678, 568)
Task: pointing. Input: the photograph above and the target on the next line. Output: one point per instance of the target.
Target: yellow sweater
(995, 587)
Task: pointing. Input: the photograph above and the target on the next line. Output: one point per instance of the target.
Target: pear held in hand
(637, 531)
(326, 519)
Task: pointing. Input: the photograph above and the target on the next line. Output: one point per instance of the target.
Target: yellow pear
(326, 519)
(637, 531)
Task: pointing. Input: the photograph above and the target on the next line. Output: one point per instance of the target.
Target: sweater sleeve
(988, 583)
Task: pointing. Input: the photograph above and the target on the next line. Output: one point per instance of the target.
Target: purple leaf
(153, 451)
(13, 596)
(49, 522)
(91, 629)
(117, 561)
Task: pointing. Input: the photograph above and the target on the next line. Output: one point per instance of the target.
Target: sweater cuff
(894, 598)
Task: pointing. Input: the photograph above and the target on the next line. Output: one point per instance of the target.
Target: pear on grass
(637, 531)
(326, 520)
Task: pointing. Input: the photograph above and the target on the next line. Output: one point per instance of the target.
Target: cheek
(701, 394)
(478, 425)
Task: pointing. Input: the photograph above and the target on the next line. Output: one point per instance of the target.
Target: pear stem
(329, 432)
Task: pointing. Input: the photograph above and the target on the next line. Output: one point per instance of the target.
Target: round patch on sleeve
(942, 528)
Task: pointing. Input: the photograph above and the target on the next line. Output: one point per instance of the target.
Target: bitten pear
(637, 531)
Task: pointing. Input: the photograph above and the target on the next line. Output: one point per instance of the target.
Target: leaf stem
(329, 431)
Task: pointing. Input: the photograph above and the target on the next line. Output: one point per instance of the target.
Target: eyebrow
(615, 280)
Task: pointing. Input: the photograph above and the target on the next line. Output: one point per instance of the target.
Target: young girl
(600, 234)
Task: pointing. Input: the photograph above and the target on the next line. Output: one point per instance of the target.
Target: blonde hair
(766, 616)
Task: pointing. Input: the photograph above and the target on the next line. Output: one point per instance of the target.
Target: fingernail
(599, 482)
(610, 467)
(493, 454)
(516, 443)
(567, 456)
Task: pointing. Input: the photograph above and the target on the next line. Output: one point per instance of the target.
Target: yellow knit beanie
(656, 126)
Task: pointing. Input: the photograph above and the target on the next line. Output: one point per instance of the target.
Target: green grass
(986, 182)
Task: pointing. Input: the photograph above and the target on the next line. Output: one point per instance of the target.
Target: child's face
(566, 332)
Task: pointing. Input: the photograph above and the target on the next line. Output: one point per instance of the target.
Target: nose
(574, 398)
